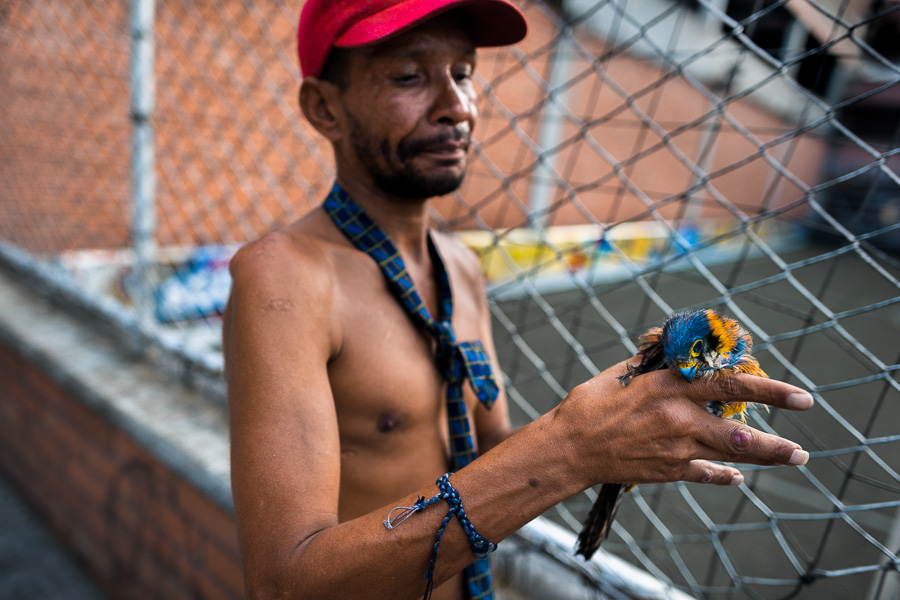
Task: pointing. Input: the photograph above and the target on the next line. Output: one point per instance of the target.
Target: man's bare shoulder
(297, 258)
(289, 279)
(285, 281)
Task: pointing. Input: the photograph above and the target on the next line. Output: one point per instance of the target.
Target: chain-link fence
(633, 158)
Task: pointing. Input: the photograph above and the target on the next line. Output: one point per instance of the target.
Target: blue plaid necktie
(457, 361)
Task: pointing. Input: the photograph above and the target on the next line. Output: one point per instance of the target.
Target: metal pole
(143, 157)
(543, 184)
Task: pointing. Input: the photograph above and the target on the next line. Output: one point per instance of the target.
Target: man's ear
(320, 104)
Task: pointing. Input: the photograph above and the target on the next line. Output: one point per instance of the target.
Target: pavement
(34, 565)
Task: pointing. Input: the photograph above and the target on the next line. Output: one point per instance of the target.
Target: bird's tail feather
(599, 520)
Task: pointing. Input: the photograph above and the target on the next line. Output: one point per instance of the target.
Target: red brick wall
(142, 530)
(235, 158)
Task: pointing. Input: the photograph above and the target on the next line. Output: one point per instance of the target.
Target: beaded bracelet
(480, 546)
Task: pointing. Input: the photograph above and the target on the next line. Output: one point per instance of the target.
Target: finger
(749, 388)
(703, 471)
(732, 441)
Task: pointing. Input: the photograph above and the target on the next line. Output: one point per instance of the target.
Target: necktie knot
(459, 361)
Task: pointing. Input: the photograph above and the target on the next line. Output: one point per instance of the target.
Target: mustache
(409, 148)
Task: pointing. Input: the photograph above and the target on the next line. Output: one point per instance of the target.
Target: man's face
(410, 107)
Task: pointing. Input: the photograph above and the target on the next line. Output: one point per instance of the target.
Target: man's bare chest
(384, 378)
(390, 408)
(385, 371)
(389, 395)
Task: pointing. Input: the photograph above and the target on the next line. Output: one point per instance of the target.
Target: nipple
(387, 422)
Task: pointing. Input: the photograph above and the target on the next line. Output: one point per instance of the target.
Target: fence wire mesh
(632, 159)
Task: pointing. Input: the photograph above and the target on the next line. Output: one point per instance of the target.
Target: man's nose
(454, 102)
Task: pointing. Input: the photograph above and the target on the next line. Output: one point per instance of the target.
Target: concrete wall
(129, 469)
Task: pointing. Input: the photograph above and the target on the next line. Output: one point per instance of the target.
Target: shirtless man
(337, 411)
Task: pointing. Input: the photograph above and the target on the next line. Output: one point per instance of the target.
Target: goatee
(407, 182)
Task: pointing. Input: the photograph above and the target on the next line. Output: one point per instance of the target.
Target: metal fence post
(143, 157)
(543, 181)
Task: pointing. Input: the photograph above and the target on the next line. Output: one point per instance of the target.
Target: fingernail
(799, 401)
(799, 457)
(737, 480)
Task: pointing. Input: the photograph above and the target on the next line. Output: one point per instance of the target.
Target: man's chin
(423, 186)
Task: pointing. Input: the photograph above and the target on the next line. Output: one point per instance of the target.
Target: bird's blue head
(698, 342)
(685, 338)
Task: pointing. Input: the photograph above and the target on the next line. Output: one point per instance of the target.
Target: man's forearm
(502, 490)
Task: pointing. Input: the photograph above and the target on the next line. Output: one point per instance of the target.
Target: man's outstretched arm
(279, 336)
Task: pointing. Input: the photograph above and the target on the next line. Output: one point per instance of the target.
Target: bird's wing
(651, 353)
(652, 337)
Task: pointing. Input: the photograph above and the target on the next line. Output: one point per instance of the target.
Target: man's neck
(404, 220)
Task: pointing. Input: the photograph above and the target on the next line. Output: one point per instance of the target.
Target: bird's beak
(688, 370)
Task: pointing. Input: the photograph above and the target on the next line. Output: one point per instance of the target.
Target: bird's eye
(697, 348)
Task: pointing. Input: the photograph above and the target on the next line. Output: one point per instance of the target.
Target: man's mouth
(449, 146)
(447, 151)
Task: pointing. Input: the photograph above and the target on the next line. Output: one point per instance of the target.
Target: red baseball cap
(325, 24)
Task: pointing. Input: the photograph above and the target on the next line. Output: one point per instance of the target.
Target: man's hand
(658, 429)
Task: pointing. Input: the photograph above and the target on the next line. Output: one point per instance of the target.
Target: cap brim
(492, 22)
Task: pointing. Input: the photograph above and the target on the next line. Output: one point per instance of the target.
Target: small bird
(698, 344)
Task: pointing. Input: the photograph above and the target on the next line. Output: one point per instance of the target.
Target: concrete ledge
(185, 430)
